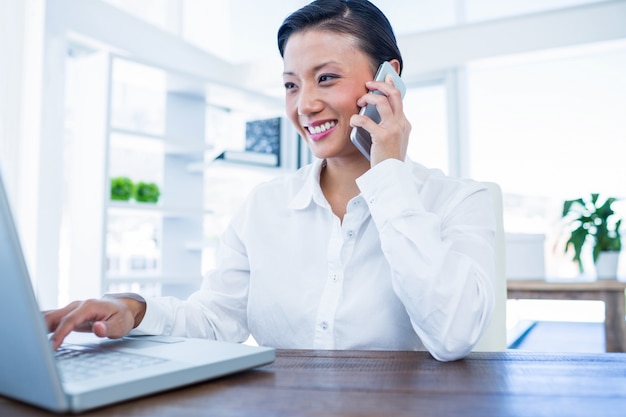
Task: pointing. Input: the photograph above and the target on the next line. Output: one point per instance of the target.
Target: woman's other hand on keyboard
(109, 317)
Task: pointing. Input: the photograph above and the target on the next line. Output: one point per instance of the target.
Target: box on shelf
(525, 256)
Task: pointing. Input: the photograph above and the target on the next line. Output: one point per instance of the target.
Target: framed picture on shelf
(262, 143)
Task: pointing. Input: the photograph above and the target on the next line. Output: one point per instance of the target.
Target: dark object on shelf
(262, 142)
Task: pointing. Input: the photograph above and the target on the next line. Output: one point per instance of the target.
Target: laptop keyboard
(81, 364)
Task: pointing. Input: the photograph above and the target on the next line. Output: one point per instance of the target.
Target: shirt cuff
(153, 319)
(130, 295)
(139, 329)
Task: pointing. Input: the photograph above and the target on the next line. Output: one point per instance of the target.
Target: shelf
(153, 278)
(199, 167)
(156, 131)
(165, 211)
(168, 145)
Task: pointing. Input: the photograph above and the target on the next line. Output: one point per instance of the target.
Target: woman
(346, 253)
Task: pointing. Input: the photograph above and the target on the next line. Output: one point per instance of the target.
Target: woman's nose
(309, 102)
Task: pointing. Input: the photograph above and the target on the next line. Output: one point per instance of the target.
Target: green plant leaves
(147, 192)
(123, 189)
(577, 239)
(594, 223)
(567, 206)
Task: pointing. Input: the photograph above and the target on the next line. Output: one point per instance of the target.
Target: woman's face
(325, 74)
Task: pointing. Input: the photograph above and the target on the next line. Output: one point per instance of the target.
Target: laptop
(30, 371)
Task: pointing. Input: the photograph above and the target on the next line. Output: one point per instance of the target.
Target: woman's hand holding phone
(381, 130)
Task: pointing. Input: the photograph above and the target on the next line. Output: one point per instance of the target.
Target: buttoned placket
(340, 249)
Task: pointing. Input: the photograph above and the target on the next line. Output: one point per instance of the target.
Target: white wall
(12, 17)
(22, 85)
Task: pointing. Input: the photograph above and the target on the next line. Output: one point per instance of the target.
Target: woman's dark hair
(357, 18)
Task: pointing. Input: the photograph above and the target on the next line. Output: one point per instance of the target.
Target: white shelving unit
(152, 133)
(177, 219)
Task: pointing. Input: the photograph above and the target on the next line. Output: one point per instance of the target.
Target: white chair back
(494, 337)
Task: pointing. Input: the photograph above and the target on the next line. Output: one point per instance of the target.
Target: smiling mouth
(316, 130)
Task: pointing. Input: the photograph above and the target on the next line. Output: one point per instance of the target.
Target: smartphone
(361, 137)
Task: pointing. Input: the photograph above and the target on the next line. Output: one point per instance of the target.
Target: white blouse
(410, 267)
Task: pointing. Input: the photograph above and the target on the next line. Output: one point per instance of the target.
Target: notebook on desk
(30, 370)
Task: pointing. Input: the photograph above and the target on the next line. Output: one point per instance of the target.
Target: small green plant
(122, 188)
(592, 220)
(147, 192)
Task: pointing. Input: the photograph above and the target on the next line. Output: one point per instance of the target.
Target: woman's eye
(289, 86)
(327, 77)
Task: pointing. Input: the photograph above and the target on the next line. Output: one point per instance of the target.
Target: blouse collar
(311, 189)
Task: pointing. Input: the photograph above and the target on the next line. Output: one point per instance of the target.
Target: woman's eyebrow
(314, 69)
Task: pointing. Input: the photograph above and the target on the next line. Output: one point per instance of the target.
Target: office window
(425, 107)
(549, 127)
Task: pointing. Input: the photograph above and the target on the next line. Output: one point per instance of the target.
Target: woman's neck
(338, 183)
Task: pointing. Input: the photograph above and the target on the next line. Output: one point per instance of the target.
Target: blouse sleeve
(438, 234)
(216, 311)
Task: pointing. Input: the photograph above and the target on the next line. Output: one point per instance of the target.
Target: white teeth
(321, 128)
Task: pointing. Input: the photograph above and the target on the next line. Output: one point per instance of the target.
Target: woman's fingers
(105, 318)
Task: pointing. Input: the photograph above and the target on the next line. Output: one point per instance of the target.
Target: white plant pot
(606, 265)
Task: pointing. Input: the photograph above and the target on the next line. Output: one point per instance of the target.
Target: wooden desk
(362, 383)
(609, 291)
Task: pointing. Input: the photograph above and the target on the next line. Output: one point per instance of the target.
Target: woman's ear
(395, 64)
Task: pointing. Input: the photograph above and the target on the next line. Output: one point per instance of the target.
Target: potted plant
(147, 192)
(122, 188)
(593, 221)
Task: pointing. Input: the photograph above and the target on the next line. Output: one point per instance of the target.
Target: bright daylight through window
(550, 127)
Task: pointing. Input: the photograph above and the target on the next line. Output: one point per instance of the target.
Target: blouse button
(324, 325)
(350, 233)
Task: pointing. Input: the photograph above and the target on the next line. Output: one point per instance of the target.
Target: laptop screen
(26, 361)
